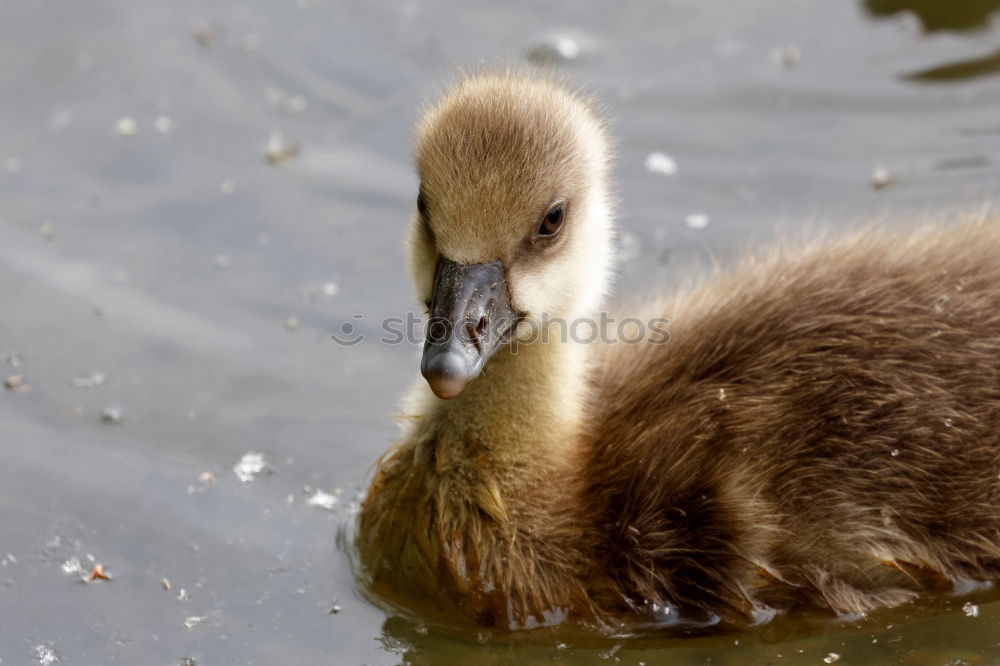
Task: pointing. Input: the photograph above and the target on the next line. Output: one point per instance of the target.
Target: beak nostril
(481, 326)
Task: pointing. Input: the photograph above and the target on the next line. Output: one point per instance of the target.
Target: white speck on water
(554, 49)
(627, 245)
(970, 609)
(15, 383)
(335, 609)
(9, 559)
(658, 162)
(894, 453)
(222, 261)
(278, 151)
(786, 56)
(89, 381)
(323, 500)
(127, 127)
(249, 466)
(330, 289)
(182, 595)
(830, 658)
(227, 186)
(45, 654)
(13, 359)
(292, 324)
(72, 566)
(13, 164)
(111, 415)
(696, 221)
(201, 620)
(163, 124)
(610, 652)
(881, 178)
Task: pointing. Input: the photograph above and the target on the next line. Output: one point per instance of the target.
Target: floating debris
(330, 289)
(283, 102)
(278, 151)
(335, 608)
(47, 232)
(15, 383)
(182, 595)
(323, 500)
(222, 261)
(97, 573)
(881, 178)
(831, 658)
(13, 359)
(249, 466)
(188, 661)
(45, 654)
(197, 621)
(89, 381)
(696, 221)
(786, 56)
(72, 566)
(658, 162)
(127, 127)
(611, 652)
(163, 124)
(204, 35)
(292, 324)
(8, 559)
(227, 186)
(13, 164)
(165, 584)
(111, 415)
(554, 49)
(970, 609)
(205, 481)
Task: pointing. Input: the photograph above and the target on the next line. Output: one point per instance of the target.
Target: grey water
(195, 196)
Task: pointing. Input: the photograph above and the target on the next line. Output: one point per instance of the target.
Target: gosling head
(512, 224)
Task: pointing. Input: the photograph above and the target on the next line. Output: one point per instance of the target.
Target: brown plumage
(821, 431)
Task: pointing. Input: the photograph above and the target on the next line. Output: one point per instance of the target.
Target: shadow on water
(946, 15)
(959, 71)
(938, 15)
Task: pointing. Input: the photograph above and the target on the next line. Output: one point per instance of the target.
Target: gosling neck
(525, 409)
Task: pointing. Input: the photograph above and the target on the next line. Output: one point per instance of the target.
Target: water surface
(175, 261)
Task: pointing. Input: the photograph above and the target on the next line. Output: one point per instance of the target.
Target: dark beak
(471, 317)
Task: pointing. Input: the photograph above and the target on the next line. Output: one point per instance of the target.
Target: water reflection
(937, 15)
(959, 70)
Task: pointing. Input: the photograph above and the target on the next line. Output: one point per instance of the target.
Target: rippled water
(146, 237)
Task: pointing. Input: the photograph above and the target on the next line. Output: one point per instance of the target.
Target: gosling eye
(553, 220)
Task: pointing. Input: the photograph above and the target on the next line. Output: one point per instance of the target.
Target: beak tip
(446, 374)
